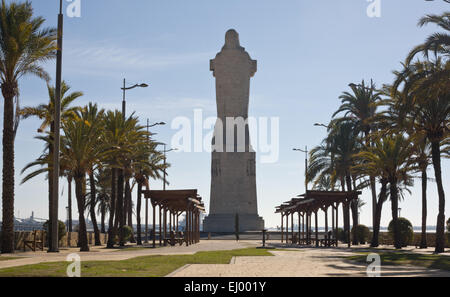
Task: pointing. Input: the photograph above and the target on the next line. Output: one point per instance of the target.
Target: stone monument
(233, 168)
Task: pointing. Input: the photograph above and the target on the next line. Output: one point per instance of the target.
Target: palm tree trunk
(8, 90)
(394, 208)
(102, 210)
(373, 191)
(120, 211)
(353, 207)
(138, 213)
(440, 225)
(69, 202)
(423, 241)
(80, 184)
(112, 209)
(129, 209)
(377, 218)
(92, 208)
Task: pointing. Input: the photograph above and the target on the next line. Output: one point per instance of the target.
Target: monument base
(226, 223)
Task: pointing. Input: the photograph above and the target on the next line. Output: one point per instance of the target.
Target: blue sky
(307, 52)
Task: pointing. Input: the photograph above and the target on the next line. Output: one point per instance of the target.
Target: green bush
(61, 229)
(406, 231)
(127, 232)
(361, 233)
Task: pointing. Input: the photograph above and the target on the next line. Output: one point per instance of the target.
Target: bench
(173, 240)
(35, 243)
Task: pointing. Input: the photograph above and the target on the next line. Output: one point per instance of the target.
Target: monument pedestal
(226, 222)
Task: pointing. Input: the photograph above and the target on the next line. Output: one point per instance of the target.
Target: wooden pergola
(171, 204)
(310, 203)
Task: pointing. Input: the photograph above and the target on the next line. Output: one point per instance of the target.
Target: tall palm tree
(148, 164)
(24, 45)
(92, 115)
(118, 139)
(334, 157)
(360, 107)
(103, 182)
(343, 142)
(80, 150)
(438, 43)
(391, 159)
(426, 99)
(45, 112)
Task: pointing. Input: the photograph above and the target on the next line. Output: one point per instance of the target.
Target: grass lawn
(9, 258)
(405, 258)
(147, 266)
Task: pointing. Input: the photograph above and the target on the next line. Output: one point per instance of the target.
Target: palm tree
(103, 185)
(24, 45)
(438, 43)
(389, 158)
(334, 158)
(45, 112)
(92, 115)
(423, 153)
(343, 142)
(148, 164)
(426, 99)
(80, 150)
(118, 138)
(361, 108)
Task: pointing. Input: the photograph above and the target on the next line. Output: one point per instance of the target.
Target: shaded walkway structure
(171, 204)
(310, 203)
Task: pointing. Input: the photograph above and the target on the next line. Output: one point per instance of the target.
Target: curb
(172, 274)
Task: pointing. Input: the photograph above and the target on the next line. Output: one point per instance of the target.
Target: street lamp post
(53, 215)
(146, 200)
(165, 158)
(306, 164)
(124, 89)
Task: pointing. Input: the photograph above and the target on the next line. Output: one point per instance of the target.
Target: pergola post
(154, 225)
(299, 225)
(187, 227)
(170, 222)
(282, 234)
(165, 225)
(287, 228)
(308, 227)
(333, 223)
(292, 227)
(146, 220)
(193, 226)
(160, 225)
(197, 225)
(317, 229)
(337, 224)
(303, 226)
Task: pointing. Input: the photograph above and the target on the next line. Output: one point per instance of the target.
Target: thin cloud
(102, 58)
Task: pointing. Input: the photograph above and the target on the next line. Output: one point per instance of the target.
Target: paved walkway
(103, 254)
(296, 262)
(304, 262)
